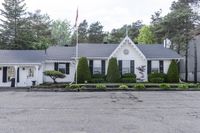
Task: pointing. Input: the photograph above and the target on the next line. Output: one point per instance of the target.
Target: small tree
(113, 74)
(83, 71)
(54, 75)
(172, 74)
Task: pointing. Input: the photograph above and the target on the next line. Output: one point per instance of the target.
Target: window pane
(125, 66)
(10, 73)
(62, 68)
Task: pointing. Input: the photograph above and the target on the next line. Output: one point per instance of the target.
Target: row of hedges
(136, 86)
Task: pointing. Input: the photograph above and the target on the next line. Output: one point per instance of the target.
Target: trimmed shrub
(83, 71)
(157, 77)
(100, 86)
(98, 76)
(123, 87)
(183, 86)
(172, 74)
(128, 80)
(165, 86)
(54, 75)
(113, 74)
(139, 86)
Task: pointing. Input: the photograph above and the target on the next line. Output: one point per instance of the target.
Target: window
(30, 72)
(97, 67)
(62, 68)
(10, 73)
(125, 66)
(155, 67)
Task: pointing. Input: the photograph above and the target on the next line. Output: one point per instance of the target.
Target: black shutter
(132, 66)
(17, 75)
(56, 66)
(103, 67)
(120, 66)
(67, 68)
(91, 66)
(4, 74)
(149, 67)
(161, 66)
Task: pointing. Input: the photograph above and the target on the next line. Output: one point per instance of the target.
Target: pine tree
(13, 23)
(172, 74)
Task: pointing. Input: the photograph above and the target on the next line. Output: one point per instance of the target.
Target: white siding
(69, 77)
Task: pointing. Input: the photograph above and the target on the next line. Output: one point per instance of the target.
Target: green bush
(97, 80)
(74, 86)
(123, 87)
(129, 75)
(157, 77)
(100, 86)
(173, 74)
(83, 71)
(98, 76)
(183, 86)
(128, 80)
(165, 86)
(157, 80)
(113, 74)
(139, 86)
(54, 75)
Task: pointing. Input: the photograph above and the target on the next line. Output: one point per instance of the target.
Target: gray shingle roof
(152, 51)
(22, 56)
(96, 50)
(60, 53)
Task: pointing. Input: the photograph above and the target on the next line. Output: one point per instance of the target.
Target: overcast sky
(111, 13)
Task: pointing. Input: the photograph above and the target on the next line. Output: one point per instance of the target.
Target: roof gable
(127, 40)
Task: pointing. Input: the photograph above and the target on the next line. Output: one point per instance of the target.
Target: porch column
(36, 74)
(16, 67)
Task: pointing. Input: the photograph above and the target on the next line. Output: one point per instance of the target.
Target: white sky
(111, 13)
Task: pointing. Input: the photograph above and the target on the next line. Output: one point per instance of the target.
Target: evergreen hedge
(113, 74)
(83, 71)
(173, 74)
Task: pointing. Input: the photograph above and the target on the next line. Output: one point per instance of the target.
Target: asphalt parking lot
(100, 112)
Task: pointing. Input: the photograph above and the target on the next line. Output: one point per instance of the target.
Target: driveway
(100, 112)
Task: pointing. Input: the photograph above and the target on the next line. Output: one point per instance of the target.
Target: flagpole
(77, 46)
(76, 53)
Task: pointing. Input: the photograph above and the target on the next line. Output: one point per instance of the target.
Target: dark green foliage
(54, 75)
(173, 74)
(83, 71)
(117, 35)
(95, 33)
(157, 77)
(128, 80)
(97, 80)
(113, 74)
(129, 75)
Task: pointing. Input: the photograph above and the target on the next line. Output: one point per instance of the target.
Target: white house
(27, 66)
